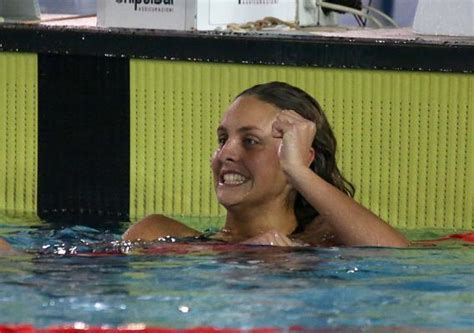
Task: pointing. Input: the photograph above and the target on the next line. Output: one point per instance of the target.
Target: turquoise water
(62, 275)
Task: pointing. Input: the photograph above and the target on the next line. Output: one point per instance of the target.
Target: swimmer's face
(246, 166)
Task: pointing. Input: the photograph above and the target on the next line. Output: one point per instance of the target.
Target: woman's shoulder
(318, 233)
(156, 226)
(4, 246)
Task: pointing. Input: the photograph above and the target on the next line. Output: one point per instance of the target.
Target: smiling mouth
(233, 179)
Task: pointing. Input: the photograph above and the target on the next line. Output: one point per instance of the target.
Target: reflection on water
(76, 273)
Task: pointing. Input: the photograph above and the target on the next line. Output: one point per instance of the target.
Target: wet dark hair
(288, 97)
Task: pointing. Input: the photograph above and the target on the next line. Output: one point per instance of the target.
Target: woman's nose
(230, 151)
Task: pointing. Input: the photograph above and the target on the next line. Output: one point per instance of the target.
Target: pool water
(67, 274)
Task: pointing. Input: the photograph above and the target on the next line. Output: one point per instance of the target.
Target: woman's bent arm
(353, 224)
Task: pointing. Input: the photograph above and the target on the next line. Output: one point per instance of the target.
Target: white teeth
(233, 179)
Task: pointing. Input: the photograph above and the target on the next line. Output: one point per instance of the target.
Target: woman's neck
(242, 224)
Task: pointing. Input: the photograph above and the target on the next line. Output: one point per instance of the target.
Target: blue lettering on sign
(146, 2)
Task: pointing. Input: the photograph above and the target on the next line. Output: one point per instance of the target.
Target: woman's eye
(250, 141)
(221, 141)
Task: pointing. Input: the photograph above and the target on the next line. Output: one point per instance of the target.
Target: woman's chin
(230, 200)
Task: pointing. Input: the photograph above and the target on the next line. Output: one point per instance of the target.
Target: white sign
(190, 14)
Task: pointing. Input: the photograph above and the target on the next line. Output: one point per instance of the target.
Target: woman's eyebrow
(249, 129)
(242, 129)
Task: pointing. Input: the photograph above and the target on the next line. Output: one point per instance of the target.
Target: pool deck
(399, 34)
(392, 49)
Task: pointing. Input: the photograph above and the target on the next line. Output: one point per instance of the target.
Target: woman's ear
(311, 156)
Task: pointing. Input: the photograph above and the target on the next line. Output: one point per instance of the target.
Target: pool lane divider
(140, 328)
(134, 328)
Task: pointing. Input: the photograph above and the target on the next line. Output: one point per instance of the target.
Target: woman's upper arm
(155, 226)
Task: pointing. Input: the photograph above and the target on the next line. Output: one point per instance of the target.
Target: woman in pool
(276, 175)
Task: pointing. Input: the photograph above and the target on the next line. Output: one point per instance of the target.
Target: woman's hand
(297, 134)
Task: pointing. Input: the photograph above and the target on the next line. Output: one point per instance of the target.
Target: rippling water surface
(70, 274)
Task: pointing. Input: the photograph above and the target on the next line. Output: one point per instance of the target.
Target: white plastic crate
(440, 17)
(19, 10)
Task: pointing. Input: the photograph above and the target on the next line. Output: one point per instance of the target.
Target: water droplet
(99, 306)
(79, 325)
(352, 270)
(134, 326)
(183, 309)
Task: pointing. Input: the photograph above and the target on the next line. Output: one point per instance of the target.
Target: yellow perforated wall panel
(405, 138)
(18, 133)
